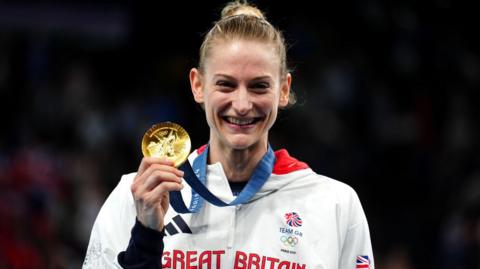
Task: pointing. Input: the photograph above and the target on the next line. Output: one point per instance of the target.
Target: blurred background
(388, 96)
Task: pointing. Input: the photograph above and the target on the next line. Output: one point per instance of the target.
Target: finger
(147, 161)
(159, 192)
(158, 177)
(154, 175)
(157, 168)
(155, 178)
(162, 167)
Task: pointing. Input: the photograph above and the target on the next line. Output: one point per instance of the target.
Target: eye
(260, 86)
(225, 84)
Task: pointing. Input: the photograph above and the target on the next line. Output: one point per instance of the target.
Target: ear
(285, 91)
(196, 83)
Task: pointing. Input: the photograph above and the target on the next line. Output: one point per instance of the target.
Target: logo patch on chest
(293, 219)
(290, 234)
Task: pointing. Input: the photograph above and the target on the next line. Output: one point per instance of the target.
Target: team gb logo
(293, 219)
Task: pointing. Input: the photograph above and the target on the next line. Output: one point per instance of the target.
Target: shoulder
(343, 192)
(344, 199)
(121, 194)
(324, 186)
(300, 174)
(126, 180)
(335, 196)
(285, 164)
(119, 202)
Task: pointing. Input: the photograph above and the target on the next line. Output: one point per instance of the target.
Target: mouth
(242, 122)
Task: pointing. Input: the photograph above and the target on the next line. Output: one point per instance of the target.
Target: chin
(240, 143)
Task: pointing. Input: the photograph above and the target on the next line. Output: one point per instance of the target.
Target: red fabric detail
(285, 163)
(201, 149)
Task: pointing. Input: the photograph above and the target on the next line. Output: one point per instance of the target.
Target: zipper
(231, 232)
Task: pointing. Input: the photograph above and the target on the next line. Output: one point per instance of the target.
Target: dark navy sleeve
(144, 250)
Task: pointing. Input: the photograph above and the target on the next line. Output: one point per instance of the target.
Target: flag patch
(362, 262)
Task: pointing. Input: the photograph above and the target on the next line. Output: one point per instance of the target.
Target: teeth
(240, 121)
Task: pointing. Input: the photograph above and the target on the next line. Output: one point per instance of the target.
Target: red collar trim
(284, 163)
(201, 149)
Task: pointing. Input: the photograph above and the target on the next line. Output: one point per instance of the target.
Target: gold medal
(167, 140)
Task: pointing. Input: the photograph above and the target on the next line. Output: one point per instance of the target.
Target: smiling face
(241, 89)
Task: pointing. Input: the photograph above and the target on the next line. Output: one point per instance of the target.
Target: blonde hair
(241, 20)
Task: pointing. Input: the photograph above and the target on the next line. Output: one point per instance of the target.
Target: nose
(241, 101)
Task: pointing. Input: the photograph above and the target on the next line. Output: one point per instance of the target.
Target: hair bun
(236, 8)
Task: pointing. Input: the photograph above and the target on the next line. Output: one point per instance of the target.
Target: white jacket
(298, 219)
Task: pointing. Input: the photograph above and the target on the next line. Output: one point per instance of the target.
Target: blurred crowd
(388, 99)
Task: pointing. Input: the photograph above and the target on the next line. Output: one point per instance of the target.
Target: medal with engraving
(167, 140)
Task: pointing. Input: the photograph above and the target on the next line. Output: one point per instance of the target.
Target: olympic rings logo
(289, 241)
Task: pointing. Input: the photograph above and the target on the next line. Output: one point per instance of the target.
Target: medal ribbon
(196, 177)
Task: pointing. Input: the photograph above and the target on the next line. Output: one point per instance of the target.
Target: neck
(238, 164)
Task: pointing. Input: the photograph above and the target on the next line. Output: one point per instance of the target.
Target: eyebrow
(232, 78)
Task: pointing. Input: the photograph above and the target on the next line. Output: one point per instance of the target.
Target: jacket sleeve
(144, 250)
(111, 231)
(357, 247)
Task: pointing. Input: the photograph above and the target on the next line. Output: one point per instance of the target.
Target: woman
(296, 219)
